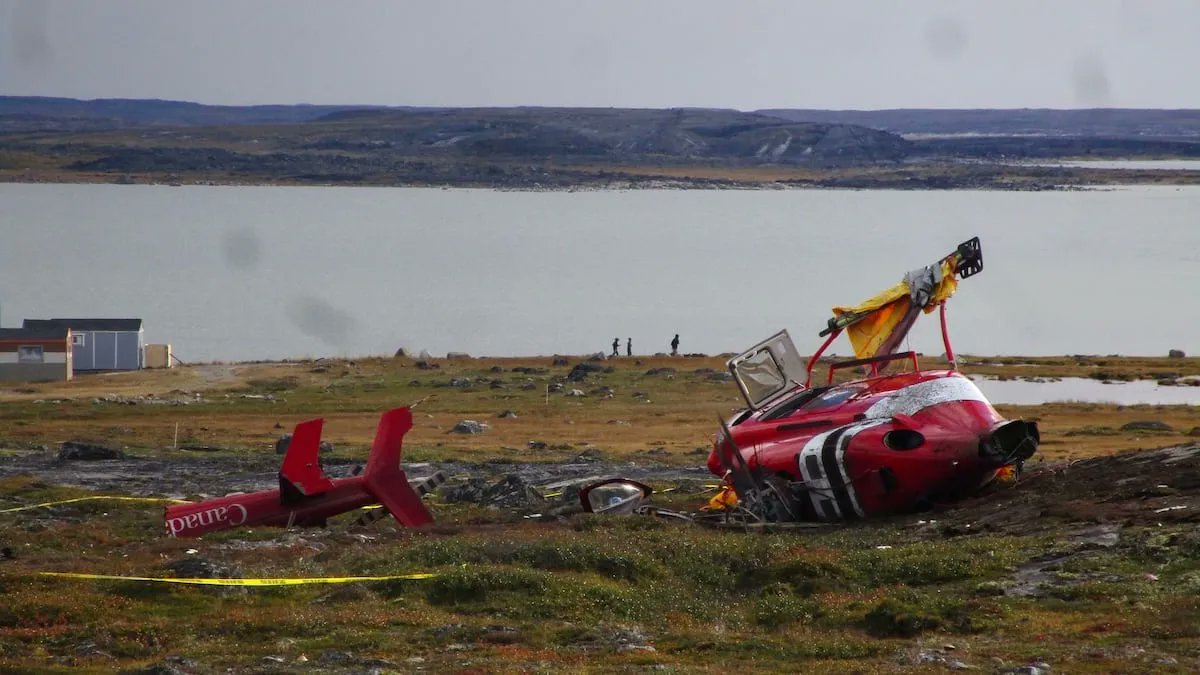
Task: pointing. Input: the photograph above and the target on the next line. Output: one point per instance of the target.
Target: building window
(30, 354)
(77, 339)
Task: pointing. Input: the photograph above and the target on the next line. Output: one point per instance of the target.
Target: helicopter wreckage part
(306, 496)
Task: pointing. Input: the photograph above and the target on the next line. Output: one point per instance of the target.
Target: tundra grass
(648, 409)
(586, 593)
(583, 593)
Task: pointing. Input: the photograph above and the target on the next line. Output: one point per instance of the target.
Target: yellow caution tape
(244, 582)
(87, 499)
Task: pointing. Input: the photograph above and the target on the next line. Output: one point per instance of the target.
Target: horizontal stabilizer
(385, 480)
(422, 486)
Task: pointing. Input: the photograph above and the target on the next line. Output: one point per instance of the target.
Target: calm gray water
(1070, 389)
(1131, 164)
(234, 273)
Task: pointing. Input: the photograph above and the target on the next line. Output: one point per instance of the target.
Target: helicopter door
(767, 370)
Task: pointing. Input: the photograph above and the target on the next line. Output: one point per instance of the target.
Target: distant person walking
(675, 345)
(616, 346)
(628, 346)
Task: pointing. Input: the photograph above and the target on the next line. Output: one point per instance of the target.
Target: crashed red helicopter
(887, 443)
(306, 496)
(883, 444)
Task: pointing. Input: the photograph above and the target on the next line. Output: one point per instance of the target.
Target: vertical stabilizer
(301, 471)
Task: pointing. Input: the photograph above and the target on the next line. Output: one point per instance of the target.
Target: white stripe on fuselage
(914, 398)
(821, 489)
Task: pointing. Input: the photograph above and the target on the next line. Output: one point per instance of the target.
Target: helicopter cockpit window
(832, 397)
(761, 375)
(768, 370)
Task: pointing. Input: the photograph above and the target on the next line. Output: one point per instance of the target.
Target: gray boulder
(285, 441)
(469, 427)
(1146, 425)
(77, 451)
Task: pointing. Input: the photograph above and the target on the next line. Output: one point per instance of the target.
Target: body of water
(237, 273)
(1138, 164)
(1068, 389)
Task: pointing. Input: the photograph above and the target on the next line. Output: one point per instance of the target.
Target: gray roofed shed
(100, 344)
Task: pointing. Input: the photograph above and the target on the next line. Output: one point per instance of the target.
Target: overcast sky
(743, 54)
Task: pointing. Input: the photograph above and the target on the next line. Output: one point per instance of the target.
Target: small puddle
(1085, 390)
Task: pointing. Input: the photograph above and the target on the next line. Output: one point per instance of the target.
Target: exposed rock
(285, 441)
(510, 491)
(172, 665)
(589, 456)
(660, 371)
(574, 392)
(78, 451)
(469, 427)
(582, 370)
(507, 414)
(1146, 425)
(333, 657)
(194, 567)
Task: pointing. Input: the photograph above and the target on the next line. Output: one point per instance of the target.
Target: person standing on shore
(616, 346)
(675, 345)
(628, 346)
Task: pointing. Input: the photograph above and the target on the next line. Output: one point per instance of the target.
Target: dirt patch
(1141, 487)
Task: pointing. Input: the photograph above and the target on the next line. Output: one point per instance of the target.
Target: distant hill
(65, 139)
(33, 112)
(1093, 122)
(620, 133)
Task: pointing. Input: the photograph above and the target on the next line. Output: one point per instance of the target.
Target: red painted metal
(842, 429)
(308, 497)
(817, 354)
(946, 338)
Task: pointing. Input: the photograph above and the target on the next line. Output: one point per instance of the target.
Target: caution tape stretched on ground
(284, 581)
(87, 499)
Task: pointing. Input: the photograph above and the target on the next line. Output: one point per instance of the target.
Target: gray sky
(742, 54)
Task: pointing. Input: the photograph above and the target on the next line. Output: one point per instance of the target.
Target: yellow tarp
(887, 309)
